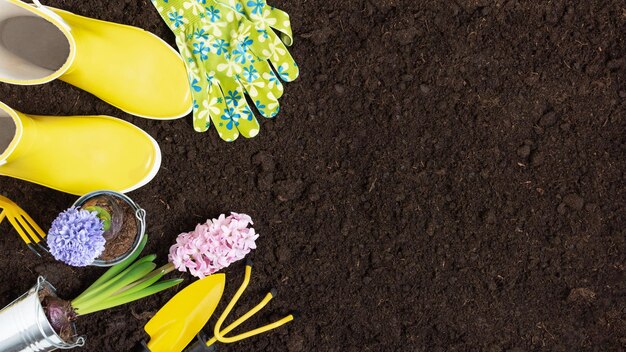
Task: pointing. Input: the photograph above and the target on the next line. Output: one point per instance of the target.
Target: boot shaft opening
(7, 131)
(31, 47)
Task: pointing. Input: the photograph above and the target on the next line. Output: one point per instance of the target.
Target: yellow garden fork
(25, 226)
(202, 345)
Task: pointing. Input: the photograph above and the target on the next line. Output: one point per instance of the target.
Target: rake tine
(19, 230)
(24, 224)
(32, 248)
(246, 316)
(257, 331)
(27, 227)
(43, 248)
(37, 232)
(219, 333)
(34, 225)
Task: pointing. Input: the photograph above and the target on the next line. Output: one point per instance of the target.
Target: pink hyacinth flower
(214, 245)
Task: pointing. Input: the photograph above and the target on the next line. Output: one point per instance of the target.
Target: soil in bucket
(123, 225)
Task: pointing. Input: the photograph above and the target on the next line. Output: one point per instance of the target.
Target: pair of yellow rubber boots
(125, 66)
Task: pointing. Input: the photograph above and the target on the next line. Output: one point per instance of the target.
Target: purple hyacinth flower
(76, 237)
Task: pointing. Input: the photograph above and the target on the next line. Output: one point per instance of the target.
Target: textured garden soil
(444, 176)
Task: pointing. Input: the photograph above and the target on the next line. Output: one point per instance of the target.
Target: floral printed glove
(270, 20)
(226, 56)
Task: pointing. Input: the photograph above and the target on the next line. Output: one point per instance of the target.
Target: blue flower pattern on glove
(200, 48)
(201, 34)
(176, 18)
(221, 46)
(195, 86)
(226, 45)
(212, 13)
(250, 73)
(232, 117)
(257, 6)
(232, 98)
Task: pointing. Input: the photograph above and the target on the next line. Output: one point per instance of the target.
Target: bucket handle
(80, 341)
(141, 215)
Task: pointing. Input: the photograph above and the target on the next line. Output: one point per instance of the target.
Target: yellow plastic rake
(25, 226)
(219, 335)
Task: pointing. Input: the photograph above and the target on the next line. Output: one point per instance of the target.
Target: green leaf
(136, 272)
(102, 214)
(110, 282)
(139, 285)
(118, 301)
(114, 270)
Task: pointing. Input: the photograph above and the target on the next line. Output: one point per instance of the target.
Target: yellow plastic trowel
(174, 326)
(184, 316)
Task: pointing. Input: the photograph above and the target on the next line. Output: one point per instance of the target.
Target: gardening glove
(225, 57)
(275, 26)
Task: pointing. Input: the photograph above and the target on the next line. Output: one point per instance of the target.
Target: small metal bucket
(25, 328)
(140, 216)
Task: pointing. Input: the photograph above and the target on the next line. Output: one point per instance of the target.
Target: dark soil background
(444, 176)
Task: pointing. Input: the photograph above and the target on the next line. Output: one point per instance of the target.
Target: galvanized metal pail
(25, 328)
(140, 217)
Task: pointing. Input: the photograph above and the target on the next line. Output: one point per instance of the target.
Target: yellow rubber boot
(76, 154)
(125, 66)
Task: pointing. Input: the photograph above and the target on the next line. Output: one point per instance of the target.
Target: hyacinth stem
(152, 277)
(124, 283)
(132, 274)
(167, 268)
(118, 301)
(114, 270)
